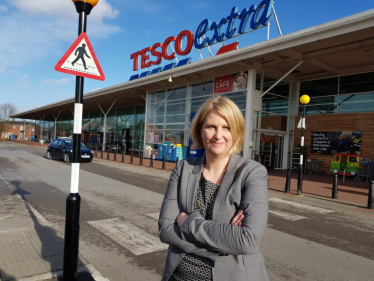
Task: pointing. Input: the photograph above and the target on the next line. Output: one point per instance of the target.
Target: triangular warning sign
(81, 60)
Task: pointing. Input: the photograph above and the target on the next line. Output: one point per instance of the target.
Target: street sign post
(79, 60)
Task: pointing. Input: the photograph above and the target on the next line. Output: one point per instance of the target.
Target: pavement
(31, 249)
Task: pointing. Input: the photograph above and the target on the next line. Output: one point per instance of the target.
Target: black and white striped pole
(71, 242)
(304, 100)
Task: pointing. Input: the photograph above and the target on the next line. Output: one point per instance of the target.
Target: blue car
(62, 148)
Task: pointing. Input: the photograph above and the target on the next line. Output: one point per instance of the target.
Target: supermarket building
(333, 63)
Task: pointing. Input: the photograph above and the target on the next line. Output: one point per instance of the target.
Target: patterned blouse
(193, 267)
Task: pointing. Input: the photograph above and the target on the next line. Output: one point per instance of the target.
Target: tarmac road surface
(307, 238)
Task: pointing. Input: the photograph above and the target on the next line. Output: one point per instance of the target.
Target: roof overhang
(341, 47)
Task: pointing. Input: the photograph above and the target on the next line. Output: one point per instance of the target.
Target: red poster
(231, 83)
(223, 84)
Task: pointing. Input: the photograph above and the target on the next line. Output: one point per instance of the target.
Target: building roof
(340, 47)
(13, 122)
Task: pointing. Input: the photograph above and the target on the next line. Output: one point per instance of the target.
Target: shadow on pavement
(44, 239)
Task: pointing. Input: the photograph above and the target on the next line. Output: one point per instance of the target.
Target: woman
(215, 208)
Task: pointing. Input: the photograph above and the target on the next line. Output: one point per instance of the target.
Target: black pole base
(288, 182)
(371, 194)
(81, 6)
(71, 245)
(334, 194)
(300, 181)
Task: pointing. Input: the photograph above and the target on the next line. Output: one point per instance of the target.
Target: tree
(6, 110)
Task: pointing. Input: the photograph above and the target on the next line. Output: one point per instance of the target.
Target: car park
(62, 148)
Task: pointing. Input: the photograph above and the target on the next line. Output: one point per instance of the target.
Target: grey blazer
(244, 187)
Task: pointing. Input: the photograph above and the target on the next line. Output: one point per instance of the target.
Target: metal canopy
(340, 47)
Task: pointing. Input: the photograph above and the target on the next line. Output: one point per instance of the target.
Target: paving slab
(30, 248)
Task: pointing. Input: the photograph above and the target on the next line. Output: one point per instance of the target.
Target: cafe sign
(231, 83)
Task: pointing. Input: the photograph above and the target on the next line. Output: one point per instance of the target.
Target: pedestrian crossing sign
(81, 60)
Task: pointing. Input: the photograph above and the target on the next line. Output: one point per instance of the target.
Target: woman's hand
(237, 220)
(181, 218)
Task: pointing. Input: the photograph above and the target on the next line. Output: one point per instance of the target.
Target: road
(307, 238)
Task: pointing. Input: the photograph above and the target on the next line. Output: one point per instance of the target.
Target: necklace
(222, 175)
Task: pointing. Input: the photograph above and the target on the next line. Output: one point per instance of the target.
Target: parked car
(63, 148)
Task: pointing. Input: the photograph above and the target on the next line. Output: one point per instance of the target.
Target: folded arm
(228, 238)
(169, 231)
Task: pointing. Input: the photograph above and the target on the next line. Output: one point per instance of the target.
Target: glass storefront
(344, 94)
(119, 122)
(170, 112)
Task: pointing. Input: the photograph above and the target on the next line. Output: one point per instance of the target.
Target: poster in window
(231, 83)
(151, 137)
(331, 143)
(156, 137)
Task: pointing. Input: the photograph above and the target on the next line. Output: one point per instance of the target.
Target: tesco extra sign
(207, 33)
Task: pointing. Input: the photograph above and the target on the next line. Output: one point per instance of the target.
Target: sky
(35, 34)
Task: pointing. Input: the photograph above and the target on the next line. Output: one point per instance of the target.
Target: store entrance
(271, 151)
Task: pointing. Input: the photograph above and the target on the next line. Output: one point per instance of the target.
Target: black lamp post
(73, 200)
(305, 99)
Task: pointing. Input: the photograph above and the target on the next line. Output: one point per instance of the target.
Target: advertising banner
(231, 83)
(331, 143)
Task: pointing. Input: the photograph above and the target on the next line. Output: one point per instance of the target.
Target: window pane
(321, 106)
(151, 109)
(151, 120)
(176, 107)
(175, 119)
(174, 136)
(157, 136)
(197, 102)
(159, 97)
(177, 94)
(281, 89)
(280, 106)
(356, 103)
(159, 109)
(258, 81)
(159, 119)
(238, 97)
(357, 83)
(140, 109)
(202, 89)
(174, 127)
(155, 127)
(319, 88)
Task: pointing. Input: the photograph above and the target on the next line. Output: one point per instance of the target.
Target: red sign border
(58, 66)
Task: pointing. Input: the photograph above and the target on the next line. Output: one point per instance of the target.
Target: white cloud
(62, 81)
(22, 81)
(23, 77)
(36, 29)
(64, 9)
(144, 6)
(2, 69)
(3, 8)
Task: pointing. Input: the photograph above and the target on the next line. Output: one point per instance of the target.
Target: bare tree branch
(6, 110)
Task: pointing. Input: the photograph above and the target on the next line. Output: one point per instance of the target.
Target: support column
(55, 132)
(104, 125)
(41, 126)
(249, 113)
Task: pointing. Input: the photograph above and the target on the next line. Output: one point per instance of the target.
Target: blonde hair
(230, 112)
